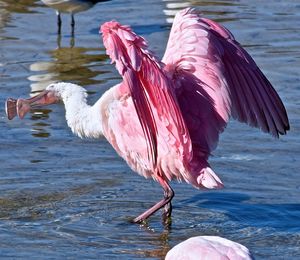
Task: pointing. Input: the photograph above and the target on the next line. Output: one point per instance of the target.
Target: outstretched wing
(211, 69)
(152, 94)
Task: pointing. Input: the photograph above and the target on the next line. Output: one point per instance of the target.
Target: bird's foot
(164, 203)
(167, 220)
(142, 222)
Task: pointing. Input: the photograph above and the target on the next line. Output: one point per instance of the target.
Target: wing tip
(286, 128)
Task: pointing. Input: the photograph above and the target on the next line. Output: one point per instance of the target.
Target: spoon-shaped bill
(11, 108)
(21, 106)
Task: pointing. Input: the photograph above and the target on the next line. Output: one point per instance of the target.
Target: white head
(84, 120)
(65, 91)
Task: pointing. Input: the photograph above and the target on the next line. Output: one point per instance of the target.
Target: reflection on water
(70, 64)
(28, 206)
(77, 196)
(218, 10)
(4, 15)
(18, 6)
(83, 66)
(39, 128)
(161, 247)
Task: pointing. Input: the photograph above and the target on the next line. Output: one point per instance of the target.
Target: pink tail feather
(202, 176)
(208, 179)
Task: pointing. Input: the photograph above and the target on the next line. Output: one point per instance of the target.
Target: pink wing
(151, 92)
(215, 78)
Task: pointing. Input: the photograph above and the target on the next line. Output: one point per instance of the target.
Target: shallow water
(66, 198)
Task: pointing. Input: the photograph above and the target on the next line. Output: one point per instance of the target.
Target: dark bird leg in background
(58, 22)
(72, 24)
(58, 41)
(165, 202)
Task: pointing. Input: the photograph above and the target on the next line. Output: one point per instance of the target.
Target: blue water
(66, 198)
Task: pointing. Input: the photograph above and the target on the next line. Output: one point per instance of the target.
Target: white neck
(83, 119)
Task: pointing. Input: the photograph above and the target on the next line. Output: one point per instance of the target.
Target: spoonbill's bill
(70, 6)
(210, 248)
(165, 117)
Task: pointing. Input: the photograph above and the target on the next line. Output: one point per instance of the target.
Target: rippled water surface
(66, 198)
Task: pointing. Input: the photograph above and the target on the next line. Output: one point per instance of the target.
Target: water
(66, 198)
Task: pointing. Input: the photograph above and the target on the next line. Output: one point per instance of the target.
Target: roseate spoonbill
(165, 117)
(70, 6)
(208, 247)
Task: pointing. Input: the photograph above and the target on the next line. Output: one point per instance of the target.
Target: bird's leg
(168, 195)
(72, 41)
(168, 208)
(58, 40)
(72, 24)
(58, 22)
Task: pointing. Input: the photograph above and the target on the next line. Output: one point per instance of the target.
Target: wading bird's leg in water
(72, 24)
(168, 208)
(58, 22)
(166, 201)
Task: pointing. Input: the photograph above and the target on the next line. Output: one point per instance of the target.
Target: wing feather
(151, 91)
(224, 72)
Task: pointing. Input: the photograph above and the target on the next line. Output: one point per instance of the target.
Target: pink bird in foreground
(164, 118)
(209, 248)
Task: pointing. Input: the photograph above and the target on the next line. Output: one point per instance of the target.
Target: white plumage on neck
(83, 119)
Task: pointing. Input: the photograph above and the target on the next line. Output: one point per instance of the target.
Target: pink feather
(184, 102)
(165, 117)
(209, 248)
(152, 93)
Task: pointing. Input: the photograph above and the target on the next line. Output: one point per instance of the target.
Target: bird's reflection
(20, 6)
(7, 7)
(159, 246)
(75, 64)
(59, 39)
(39, 127)
(80, 65)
